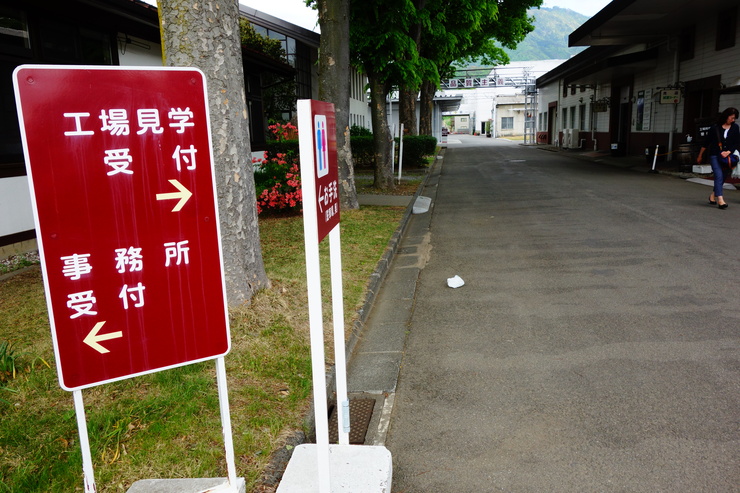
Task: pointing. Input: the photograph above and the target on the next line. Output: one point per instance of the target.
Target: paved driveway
(594, 346)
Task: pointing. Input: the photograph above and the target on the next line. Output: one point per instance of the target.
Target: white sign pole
(223, 400)
(400, 153)
(87, 465)
(393, 149)
(340, 357)
(313, 279)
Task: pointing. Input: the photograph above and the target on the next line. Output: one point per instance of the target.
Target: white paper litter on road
(455, 282)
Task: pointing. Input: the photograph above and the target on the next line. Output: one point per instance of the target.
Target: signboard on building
(600, 107)
(121, 174)
(670, 96)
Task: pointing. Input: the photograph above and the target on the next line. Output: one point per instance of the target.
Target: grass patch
(167, 424)
(408, 186)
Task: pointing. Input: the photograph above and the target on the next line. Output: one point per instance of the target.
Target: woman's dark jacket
(716, 134)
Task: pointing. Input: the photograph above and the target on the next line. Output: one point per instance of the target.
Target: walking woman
(722, 140)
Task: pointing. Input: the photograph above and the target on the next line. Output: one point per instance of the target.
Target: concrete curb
(280, 458)
(633, 163)
(381, 270)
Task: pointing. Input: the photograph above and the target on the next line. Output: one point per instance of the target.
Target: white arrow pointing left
(93, 338)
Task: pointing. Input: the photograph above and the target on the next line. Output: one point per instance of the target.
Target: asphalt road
(594, 345)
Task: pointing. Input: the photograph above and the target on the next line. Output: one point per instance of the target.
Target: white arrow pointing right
(182, 195)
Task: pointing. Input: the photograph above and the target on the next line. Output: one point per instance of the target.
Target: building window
(68, 43)
(726, 26)
(582, 117)
(507, 123)
(686, 42)
(30, 39)
(573, 117)
(14, 36)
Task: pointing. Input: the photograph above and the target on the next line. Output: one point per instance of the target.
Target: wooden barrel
(686, 155)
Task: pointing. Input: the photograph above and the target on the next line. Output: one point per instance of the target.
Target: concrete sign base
(354, 469)
(200, 485)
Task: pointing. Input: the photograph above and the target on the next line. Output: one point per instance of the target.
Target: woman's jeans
(719, 174)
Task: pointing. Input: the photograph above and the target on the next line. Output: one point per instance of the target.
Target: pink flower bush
(277, 177)
(283, 131)
(278, 182)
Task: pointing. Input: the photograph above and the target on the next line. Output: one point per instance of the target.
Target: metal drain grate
(360, 413)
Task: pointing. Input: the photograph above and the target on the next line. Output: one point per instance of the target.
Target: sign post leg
(87, 467)
(340, 357)
(223, 400)
(400, 153)
(393, 149)
(318, 362)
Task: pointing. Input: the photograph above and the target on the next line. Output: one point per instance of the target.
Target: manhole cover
(360, 413)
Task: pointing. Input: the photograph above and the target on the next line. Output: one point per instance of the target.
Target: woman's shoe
(713, 202)
(723, 206)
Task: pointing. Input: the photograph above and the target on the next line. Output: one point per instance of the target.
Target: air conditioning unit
(567, 134)
(574, 138)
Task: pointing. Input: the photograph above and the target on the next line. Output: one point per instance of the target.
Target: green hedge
(356, 131)
(363, 153)
(275, 147)
(415, 147)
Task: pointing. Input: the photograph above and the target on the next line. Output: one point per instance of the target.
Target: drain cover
(360, 412)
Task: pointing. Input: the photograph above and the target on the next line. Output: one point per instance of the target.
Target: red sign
(121, 173)
(325, 166)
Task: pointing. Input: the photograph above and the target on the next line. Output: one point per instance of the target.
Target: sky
(296, 12)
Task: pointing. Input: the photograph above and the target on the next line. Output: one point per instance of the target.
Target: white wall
(707, 61)
(15, 199)
(14, 192)
(136, 54)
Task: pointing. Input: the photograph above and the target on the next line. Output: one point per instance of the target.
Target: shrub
(415, 147)
(278, 184)
(358, 131)
(283, 131)
(277, 176)
(275, 147)
(363, 152)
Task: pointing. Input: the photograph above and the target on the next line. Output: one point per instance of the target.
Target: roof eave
(582, 35)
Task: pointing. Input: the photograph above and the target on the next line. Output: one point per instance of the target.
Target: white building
(499, 98)
(655, 72)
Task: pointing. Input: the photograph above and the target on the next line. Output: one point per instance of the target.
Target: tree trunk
(334, 81)
(426, 105)
(407, 110)
(206, 35)
(382, 137)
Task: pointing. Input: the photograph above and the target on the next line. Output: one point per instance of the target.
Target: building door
(552, 118)
(701, 104)
(619, 119)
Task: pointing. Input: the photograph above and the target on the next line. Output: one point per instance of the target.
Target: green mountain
(549, 40)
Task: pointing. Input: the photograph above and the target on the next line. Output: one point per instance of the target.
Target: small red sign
(121, 173)
(325, 166)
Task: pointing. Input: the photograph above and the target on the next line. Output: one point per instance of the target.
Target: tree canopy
(413, 43)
